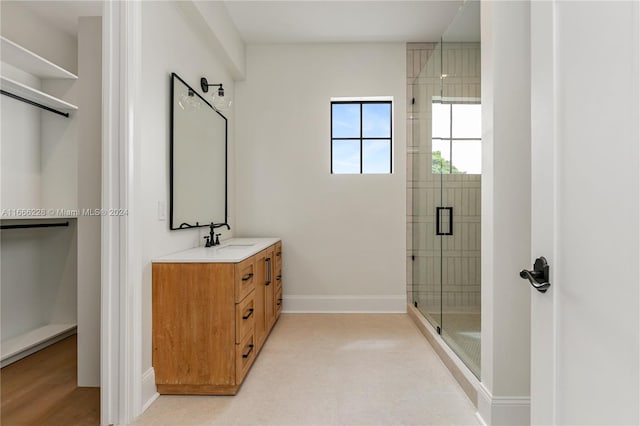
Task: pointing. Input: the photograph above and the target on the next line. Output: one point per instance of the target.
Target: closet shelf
(30, 62)
(21, 344)
(34, 95)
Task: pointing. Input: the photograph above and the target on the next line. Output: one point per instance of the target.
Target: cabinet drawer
(278, 280)
(245, 278)
(245, 353)
(278, 256)
(278, 302)
(245, 317)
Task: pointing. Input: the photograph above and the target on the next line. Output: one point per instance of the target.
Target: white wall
(20, 154)
(89, 117)
(59, 149)
(169, 44)
(59, 276)
(18, 23)
(506, 213)
(38, 278)
(343, 235)
(222, 37)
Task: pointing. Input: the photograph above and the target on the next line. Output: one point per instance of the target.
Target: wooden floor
(41, 390)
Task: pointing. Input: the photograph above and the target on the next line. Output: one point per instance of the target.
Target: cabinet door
(270, 290)
(193, 324)
(259, 311)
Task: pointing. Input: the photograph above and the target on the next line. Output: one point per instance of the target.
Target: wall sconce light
(189, 101)
(220, 101)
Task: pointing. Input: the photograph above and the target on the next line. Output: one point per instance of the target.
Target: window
(361, 137)
(455, 136)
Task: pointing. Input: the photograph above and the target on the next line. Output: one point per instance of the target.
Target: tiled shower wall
(460, 263)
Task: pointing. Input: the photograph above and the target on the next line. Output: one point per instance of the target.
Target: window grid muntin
(390, 138)
(451, 139)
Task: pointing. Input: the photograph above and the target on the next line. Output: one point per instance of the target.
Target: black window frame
(451, 139)
(361, 138)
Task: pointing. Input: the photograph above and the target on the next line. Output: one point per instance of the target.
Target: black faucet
(212, 239)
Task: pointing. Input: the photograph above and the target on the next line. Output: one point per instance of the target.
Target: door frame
(121, 300)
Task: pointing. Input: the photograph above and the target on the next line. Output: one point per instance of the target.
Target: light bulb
(221, 103)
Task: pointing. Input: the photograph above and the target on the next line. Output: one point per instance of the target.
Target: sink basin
(236, 247)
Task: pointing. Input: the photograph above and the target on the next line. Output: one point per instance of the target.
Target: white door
(585, 220)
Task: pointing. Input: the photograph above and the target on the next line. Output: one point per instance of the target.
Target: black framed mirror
(198, 159)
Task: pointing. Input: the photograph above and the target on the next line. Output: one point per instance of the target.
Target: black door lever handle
(539, 277)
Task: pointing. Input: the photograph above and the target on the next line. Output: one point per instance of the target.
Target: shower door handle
(539, 276)
(439, 226)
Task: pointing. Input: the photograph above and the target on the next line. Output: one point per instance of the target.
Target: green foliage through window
(439, 165)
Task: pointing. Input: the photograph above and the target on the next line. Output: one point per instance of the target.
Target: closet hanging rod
(20, 98)
(35, 225)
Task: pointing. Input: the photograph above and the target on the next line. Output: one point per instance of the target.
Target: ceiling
(312, 21)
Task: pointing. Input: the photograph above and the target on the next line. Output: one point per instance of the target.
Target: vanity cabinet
(210, 320)
(278, 276)
(265, 294)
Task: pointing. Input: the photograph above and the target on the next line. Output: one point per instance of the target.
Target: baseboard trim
(149, 391)
(42, 343)
(386, 304)
(502, 410)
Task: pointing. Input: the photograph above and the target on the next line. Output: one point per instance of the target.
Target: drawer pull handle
(248, 353)
(278, 277)
(279, 254)
(247, 277)
(268, 267)
(279, 302)
(248, 315)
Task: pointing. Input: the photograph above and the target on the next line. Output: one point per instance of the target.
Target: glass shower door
(457, 143)
(444, 190)
(424, 184)
(460, 266)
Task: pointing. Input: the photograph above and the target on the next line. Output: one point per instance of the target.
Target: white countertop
(229, 251)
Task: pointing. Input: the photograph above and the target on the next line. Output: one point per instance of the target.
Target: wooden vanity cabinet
(259, 298)
(278, 279)
(269, 293)
(194, 334)
(209, 322)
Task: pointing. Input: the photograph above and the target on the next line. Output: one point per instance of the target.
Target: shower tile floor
(461, 331)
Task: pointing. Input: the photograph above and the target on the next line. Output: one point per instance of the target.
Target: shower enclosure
(444, 183)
